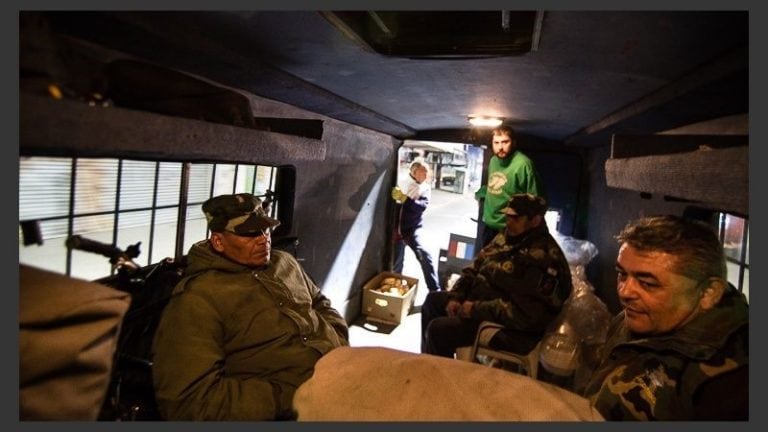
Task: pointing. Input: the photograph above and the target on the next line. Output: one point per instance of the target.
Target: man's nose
(628, 288)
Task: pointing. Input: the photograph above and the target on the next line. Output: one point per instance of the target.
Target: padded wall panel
(715, 178)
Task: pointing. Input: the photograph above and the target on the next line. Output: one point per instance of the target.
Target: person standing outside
(245, 325)
(679, 349)
(412, 204)
(510, 172)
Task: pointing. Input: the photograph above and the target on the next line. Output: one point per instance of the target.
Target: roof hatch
(441, 34)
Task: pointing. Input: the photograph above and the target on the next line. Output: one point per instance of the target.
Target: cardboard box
(390, 308)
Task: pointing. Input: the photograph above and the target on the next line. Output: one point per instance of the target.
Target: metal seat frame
(481, 347)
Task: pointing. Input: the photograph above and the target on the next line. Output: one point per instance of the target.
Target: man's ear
(712, 293)
(537, 220)
(217, 242)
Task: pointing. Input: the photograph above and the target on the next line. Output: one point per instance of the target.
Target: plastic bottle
(559, 356)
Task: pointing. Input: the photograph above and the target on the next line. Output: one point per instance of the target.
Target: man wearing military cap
(245, 326)
(526, 204)
(521, 280)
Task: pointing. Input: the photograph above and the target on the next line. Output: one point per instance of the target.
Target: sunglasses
(259, 233)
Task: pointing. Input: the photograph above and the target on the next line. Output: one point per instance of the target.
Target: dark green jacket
(698, 372)
(234, 343)
(520, 282)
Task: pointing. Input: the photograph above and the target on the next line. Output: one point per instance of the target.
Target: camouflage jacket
(699, 372)
(520, 282)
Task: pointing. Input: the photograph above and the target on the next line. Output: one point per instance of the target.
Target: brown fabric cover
(381, 384)
(67, 337)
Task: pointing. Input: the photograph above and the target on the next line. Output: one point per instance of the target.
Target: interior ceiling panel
(565, 76)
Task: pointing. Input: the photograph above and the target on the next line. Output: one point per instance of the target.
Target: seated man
(519, 280)
(679, 350)
(245, 326)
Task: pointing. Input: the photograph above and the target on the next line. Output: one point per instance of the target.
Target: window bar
(181, 220)
(210, 193)
(153, 213)
(234, 180)
(116, 218)
(721, 230)
(255, 176)
(106, 212)
(71, 217)
(213, 181)
(272, 180)
(743, 255)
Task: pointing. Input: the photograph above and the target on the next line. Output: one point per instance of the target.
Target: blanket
(382, 384)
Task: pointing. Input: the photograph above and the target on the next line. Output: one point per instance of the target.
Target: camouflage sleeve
(465, 283)
(637, 384)
(710, 403)
(528, 298)
(509, 314)
(642, 389)
(644, 381)
(523, 308)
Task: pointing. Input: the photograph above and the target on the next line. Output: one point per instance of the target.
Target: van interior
(129, 120)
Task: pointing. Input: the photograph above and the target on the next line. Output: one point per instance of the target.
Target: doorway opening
(450, 221)
(456, 173)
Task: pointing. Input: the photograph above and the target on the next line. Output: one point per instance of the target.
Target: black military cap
(525, 204)
(241, 214)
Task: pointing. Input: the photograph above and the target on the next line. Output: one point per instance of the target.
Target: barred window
(123, 202)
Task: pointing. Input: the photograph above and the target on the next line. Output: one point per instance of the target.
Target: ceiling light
(485, 121)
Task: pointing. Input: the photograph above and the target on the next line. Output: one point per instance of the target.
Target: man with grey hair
(245, 326)
(679, 350)
(408, 230)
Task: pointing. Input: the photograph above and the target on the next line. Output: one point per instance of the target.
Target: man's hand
(452, 308)
(466, 309)
(480, 193)
(398, 195)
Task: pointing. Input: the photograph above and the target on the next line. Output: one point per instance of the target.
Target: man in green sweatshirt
(510, 172)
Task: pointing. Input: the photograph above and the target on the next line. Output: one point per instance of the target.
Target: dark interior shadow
(374, 325)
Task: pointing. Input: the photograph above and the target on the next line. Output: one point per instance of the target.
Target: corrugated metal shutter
(44, 185)
(149, 195)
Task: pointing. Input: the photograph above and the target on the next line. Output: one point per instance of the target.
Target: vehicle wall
(342, 187)
(607, 211)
